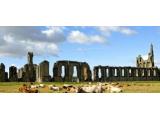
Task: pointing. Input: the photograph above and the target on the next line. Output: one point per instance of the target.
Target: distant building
(149, 63)
(42, 72)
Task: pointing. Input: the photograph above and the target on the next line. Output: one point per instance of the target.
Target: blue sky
(116, 46)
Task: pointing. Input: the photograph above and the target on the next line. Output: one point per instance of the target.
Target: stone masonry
(42, 72)
(83, 71)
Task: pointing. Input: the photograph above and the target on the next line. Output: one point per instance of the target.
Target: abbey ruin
(145, 70)
(64, 71)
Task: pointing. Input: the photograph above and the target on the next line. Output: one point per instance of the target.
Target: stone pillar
(145, 72)
(68, 72)
(139, 72)
(118, 72)
(148, 72)
(110, 71)
(157, 72)
(125, 72)
(13, 74)
(103, 74)
(85, 72)
(2, 72)
(42, 72)
(132, 72)
(151, 71)
(95, 74)
(79, 72)
(6, 77)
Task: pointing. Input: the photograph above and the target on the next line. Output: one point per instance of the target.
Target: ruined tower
(151, 57)
(148, 63)
(28, 72)
(30, 58)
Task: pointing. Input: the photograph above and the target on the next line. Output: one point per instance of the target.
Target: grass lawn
(128, 86)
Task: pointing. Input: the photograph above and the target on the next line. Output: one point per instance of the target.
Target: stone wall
(108, 73)
(42, 72)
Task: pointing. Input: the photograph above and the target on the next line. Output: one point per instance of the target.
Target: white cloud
(17, 41)
(82, 38)
(100, 36)
(107, 30)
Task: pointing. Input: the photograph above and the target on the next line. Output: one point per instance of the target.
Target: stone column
(113, 71)
(69, 73)
(151, 72)
(139, 72)
(89, 74)
(118, 72)
(145, 72)
(2, 72)
(148, 72)
(103, 74)
(132, 72)
(95, 74)
(125, 72)
(79, 72)
(13, 74)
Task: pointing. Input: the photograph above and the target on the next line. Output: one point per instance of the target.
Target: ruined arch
(82, 68)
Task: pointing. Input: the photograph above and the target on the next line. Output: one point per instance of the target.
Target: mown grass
(128, 86)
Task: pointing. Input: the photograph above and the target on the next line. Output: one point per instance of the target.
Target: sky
(96, 45)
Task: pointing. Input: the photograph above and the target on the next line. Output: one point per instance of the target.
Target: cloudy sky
(118, 46)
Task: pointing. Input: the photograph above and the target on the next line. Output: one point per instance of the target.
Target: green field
(128, 86)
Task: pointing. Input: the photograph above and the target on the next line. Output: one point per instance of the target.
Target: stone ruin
(3, 74)
(13, 77)
(149, 63)
(28, 72)
(42, 72)
(145, 70)
(110, 73)
(83, 71)
(63, 71)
